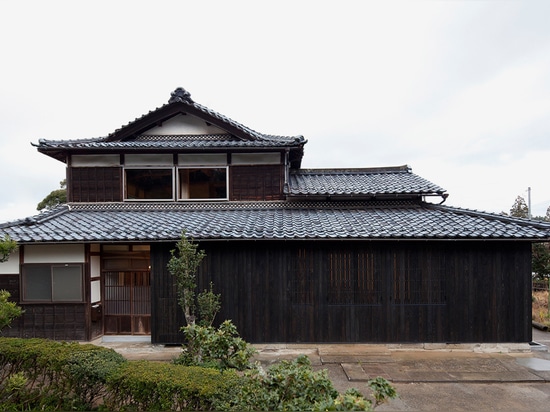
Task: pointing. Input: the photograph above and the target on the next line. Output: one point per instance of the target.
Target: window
(202, 183)
(149, 184)
(52, 283)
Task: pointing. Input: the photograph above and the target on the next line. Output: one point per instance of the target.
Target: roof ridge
(348, 170)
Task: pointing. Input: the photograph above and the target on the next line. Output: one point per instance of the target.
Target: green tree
(55, 198)
(7, 247)
(183, 265)
(520, 208)
(541, 260)
(8, 310)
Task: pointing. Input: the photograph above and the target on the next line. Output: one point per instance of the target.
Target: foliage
(294, 386)
(45, 374)
(381, 390)
(89, 370)
(220, 348)
(208, 306)
(152, 386)
(8, 310)
(55, 198)
(7, 247)
(541, 260)
(519, 208)
(183, 265)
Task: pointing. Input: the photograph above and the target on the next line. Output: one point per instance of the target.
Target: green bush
(8, 310)
(150, 386)
(220, 348)
(58, 375)
(294, 386)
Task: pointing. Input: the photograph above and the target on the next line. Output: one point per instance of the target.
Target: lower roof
(374, 220)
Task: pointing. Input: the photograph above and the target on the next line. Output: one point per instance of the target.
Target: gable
(184, 124)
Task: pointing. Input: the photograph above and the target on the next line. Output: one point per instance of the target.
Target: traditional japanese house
(298, 255)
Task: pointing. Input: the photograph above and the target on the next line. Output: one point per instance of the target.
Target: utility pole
(529, 202)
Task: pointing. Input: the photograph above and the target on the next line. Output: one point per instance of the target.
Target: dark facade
(365, 291)
(298, 255)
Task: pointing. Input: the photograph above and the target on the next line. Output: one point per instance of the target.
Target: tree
(8, 310)
(183, 265)
(541, 260)
(520, 208)
(7, 247)
(55, 198)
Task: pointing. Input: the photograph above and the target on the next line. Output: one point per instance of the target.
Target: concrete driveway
(437, 379)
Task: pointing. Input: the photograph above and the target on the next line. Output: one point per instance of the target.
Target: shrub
(88, 372)
(220, 348)
(57, 374)
(294, 386)
(143, 385)
(8, 310)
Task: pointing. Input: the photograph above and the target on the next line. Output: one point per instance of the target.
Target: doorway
(126, 289)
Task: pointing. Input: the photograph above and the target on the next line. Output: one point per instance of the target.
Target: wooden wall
(94, 184)
(104, 184)
(380, 292)
(61, 321)
(256, 182)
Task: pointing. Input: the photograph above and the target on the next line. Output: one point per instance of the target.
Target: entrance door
(127, 292)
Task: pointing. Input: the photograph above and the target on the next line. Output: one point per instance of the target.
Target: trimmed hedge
(45, 374)
(151, 386)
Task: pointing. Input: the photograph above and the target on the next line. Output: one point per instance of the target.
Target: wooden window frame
(125, 184)
(51, 267)
(209, 167)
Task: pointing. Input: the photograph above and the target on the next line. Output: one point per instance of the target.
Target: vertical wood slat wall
(379, 292)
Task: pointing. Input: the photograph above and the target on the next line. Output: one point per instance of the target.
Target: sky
(457, 90)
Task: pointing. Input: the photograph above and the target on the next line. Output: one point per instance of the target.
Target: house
(298, 255)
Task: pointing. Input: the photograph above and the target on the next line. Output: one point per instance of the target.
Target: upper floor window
(149, 184)
(186, 183)
(202, 183)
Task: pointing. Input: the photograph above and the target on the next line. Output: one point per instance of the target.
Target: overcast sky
(457, 90)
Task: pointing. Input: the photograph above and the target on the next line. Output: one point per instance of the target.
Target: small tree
(8, 310)
(7, 247)
(520, 208)
(183, 265)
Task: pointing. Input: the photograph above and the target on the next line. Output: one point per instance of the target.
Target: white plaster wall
(11, 266)
(184, 124)
(95, 160)
(61, 253)
(95, 268)
(96, 291)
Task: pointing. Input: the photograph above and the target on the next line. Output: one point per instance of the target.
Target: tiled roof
(133, 135)
(135, 222)
(166, 142)
(350, 182)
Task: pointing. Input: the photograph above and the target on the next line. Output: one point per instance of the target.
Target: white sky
(458, 90)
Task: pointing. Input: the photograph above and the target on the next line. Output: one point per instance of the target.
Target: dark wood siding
(94, 184)
(379, 292)
(256, 182)
(166, 315)
(65, 321)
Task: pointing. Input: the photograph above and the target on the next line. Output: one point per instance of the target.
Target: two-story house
(298, 255)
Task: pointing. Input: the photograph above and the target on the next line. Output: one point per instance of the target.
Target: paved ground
(427, 378)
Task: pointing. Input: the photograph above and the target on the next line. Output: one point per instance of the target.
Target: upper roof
(374, 220)
(380, 182)
(135, 135)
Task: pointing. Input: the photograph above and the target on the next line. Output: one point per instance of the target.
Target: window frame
(125, 184)
(206, 167)
(51, 300)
